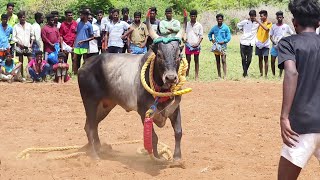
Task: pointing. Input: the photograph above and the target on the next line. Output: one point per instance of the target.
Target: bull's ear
(154, 48)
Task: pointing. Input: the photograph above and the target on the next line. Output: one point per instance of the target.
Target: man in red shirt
(68, 32)
(50, 36)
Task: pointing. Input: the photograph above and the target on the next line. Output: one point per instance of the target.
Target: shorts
(220, 50)
(23, 52)
(309, 144)
(262, 52)
(195, 51)
(114, 49)
(80, 51)
(137, 50)
(274, 52)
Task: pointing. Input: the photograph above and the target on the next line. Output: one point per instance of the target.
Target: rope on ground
(164, 151)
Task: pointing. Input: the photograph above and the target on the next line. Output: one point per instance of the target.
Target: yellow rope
(175, 89)
(165, 151)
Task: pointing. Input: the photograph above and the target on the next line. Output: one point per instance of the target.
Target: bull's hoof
(178, 164)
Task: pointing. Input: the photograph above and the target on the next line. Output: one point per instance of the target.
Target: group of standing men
(261, 34)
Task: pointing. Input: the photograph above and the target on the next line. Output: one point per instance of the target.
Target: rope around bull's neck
(175, 90)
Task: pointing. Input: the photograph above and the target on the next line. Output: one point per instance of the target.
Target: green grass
(208, 70)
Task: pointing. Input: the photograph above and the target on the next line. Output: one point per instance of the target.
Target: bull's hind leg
(96, 112)
(91, 128)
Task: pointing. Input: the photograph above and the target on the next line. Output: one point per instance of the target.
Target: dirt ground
(230, 131)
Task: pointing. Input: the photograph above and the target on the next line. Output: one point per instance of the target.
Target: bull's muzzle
(170, 78)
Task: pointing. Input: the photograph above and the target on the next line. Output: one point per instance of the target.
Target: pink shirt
(68, 32)
(35, 66)
(49, 35)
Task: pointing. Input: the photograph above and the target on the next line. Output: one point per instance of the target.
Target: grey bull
(108, 80)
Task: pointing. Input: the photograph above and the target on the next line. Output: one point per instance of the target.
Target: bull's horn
(152, 33)
(181, 33)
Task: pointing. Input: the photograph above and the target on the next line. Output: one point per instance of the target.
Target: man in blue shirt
(81, 45)
(6, 34)
(222, 36)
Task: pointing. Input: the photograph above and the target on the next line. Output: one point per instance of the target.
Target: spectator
(263, 43)
(12, 20)
(61, 69)
(137, 40)
(89, 10)
(98, 23)
(104, 25)
(10, 69)
(154, 24)
(93, 44)
(169, 27)
(50, 36)
(23, 36)
(5, 36)
(127, 19)
(299, 119)
(277, 32)
(115, 30)
(194, 33)
(37, 44)
(222, 36)
(247, 41)
(38, 68)
(68, 33)
(55, 14)
(81, 45)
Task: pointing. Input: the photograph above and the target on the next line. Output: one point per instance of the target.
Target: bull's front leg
(175, 119)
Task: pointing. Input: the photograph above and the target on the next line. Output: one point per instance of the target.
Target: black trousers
(246, 56)
(113, 49)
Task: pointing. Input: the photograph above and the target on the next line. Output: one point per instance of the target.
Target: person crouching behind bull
(38, 68)
(61, 69)
(10, 69)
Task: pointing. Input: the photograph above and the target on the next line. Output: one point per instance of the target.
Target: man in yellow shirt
(137, 40)
(263, 41)
(12, 20)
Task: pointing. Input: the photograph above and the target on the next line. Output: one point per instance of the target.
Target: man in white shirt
(194, 36)
(114, 33)
(247, 41)
(277, 32)
(37, 44)
(103, 27)
(93, 44)
(23, 36)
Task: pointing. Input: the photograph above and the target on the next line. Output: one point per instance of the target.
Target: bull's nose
(170, 78)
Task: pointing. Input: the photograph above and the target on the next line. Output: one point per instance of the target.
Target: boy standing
(23, 36)
(222, 36)
(263, 42)
(81, 45)
(137, 40)
(277, 32)
(194, 33)
(169, 27)
(300, 118)
(247, 41)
